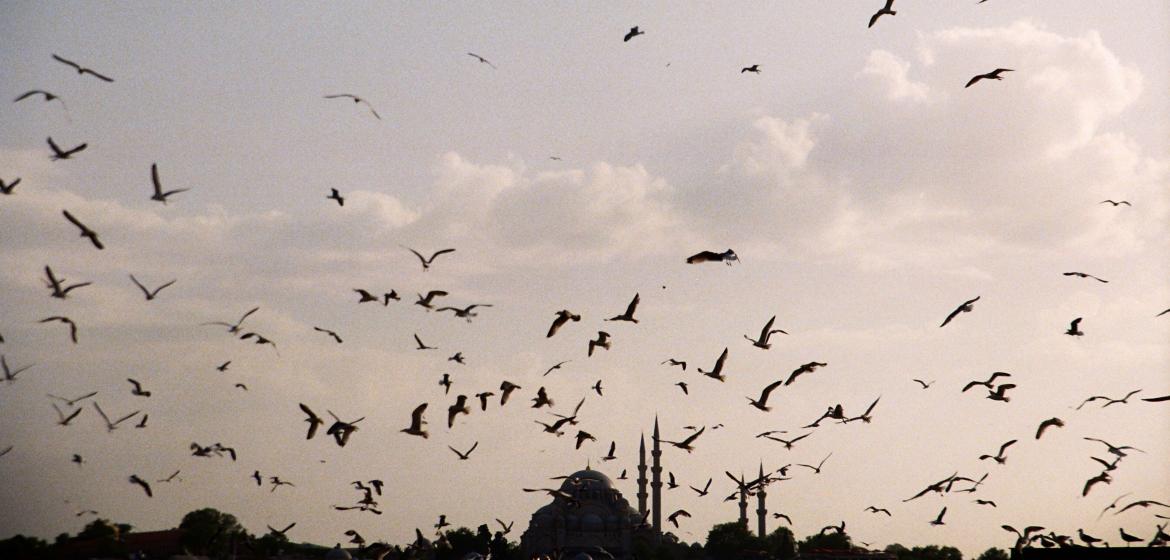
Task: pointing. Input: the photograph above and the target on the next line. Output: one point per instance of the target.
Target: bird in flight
(234, 328)
(82, 70)
(67, 321)
(355, 99)
(787, 442)
(334, 195)
(887, 9)
(1048, 424)
(967, 306)
(602, 341)
(466, 312)
(137, 390)
(482, 60)
(993, 75)
(1115, 203)
(85, 231)
(159, 194)
(55, 284)
(987, 383)
(806, 368)
(150, 294)
(817, 469)
(332, 334)
(313, 420)
(673, 518)
(765, 334)
(460, 407)
(111, 426)
(70, 402)
(755, 69)
(135, 479)
(426, 262)
(7, 189)
(10, 374)
(1074, 328)
(727, 257)
(427, 301)
(563, 316)
(924, 384)
(939, 520)
(420, 346)
(628, 315)
(999, 457)
(555, 366)
(717, 371)
(686, 443)
(506, 388)
(1083, 275)
(762, 403)
(59, 154)
(62, 418)
(417, 422)
(463, 456)
(675, 362)
(633, 32)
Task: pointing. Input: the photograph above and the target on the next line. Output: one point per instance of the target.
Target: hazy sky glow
(867, 192)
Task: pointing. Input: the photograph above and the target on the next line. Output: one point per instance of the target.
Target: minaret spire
(761, 509)
(743, 506)
(642, 477)
(656, 483)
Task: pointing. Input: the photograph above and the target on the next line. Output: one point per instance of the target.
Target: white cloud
(894, 73)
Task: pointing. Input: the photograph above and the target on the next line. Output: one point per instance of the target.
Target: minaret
(761, 509)
(642, 477)
(656, 483)
(743, 506)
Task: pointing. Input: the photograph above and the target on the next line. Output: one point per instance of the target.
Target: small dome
(337, 554)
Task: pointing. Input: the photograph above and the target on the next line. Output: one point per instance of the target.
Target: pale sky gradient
(867, 192)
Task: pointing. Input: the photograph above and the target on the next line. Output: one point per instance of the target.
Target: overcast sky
(866, 191)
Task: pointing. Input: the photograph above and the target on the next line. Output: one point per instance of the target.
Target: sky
(866, 191)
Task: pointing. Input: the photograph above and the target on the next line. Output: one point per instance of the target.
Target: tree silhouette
(210, 532)
(994, 554)
(826, 541)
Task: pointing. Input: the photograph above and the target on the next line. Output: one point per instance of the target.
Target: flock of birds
(557, 424)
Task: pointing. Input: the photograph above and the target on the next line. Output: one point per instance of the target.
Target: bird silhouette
(427, 261)
(555, 366)
(464, 455)
(341, 430)
(682, 385)
(81, 69)
(281, 532)
(987, 383)
(482, 60)
(150, 294)
(68, 402)
(993, 75)
(762, 403)
(1115, 203)
(159, 194)
(541, 399)
(999, 457)
(483, 399)
(582, 437)
(111, 426)
(765, 334)
(924, 384)
(717, 371)
(420, 346)
(686, 443)
(427, 301)
(705, 489)
(62, 418)
(445, 383)
(234, 328)
(597, 388)
(335, 195)
(10, 374)
(59, 154)
(85, 231)
(7, 189)
(1074, 328)
(417, 422)
(875, 509)
(787, 442)
(805, 368)
(602, 341)
(633, 32)
(628, 315)
(755, 69)
(1083, 275)
(612, 449)
(673, 518)
(313, 420)
(465, 312)
(355, 99)
(506, 388)
(1118, 450)
(331, 334)
(939, 520)
(887, 9)
(1057, 422)
(460, 407)
(967, 306)
(563, 316)
(137, 390)
(67, 321)
(675, 362)
(727, 257)
(816, 469)
(135, 479)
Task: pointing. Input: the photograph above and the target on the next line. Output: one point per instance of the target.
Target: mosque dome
(588, 479)
(337, 554)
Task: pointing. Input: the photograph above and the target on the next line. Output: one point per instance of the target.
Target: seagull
(457, 358)
(1048, 423)
(62, 419)
(839, 529)
(1128, 538)
(1073, 328)
(505, 528)
(483, 399)
(355, 99)
(313, 420)
(137, 391)
(445, 383)
(999, 457)
(464, 455)
(172, 477)
(10, 374)
(260, 339)
(427, 301)
(465, 312)
(879, 510)
(1115, 203)
(332, 334)
(1103, 477)
(111, 426)
(998, 393)
(673, 518)
(417, 422)
(554, 367)
(717, 371)
(966, 307)
(993, 75)
(612, 449)
(582, 437)
(47, 95)
(633, 32)
(234, 328)
(1141, 504)
(1158, 399)
(986, 503)
(150, 294)
(987, 383)
(887, 9)
(629, 313)
(765, 334)
(563, 316)
(67, 321)
(682, 385)
(68, 402)
(817, 469)
(460, 407)
(134, 479)
(59, 154)
(1118, 451)
(675, 362)
(866, 416)
(787, 442)
(335, 195)
(482, 59)
(686, 443)
(506, 388)
(782, 516)
(727, 257)
(1083, 275)
(541, 399)
(755, 69)
(422, 346)
(924, 384)
(142, 422)
(82, 70)
(159, 195)
(597, 387)
(602, 341)
(85, 231)
(1086, 538)
(939, 520)
(341, 430)
(7, 189)
(762, 404)
(806, 368)
(1122, 400)
(705, 489)
(426, 262)
(273, 531)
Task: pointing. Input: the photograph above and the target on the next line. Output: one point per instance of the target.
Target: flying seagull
(427, 301)
(85, 231)
(964, 308)
(563, 316)
(686, 443)
(331, 334)
(137, 390)
(765, 334)
(762, 403)
(417, 422)
(55, 284)
(135, 479)
(755, 69)
(1115, 202)
(355, 99)
(717, 371)
(727, 257)
(887, 9)
(602, 341)
(426, 262)
(420, 346)
(1047, 424)
(313, 420)
(67, 321)
(999, 457)
(150, 294)
(463, 456)
(59, 154)
(234, 328)
(10, 374)
(1073, 328)
(993, 75)
(482, 59)
(335, 195)
(805, 368)
(7, 189)
(1083, 275)
(82, 70)
(159, 194)
(628, 315)
(634, 32)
